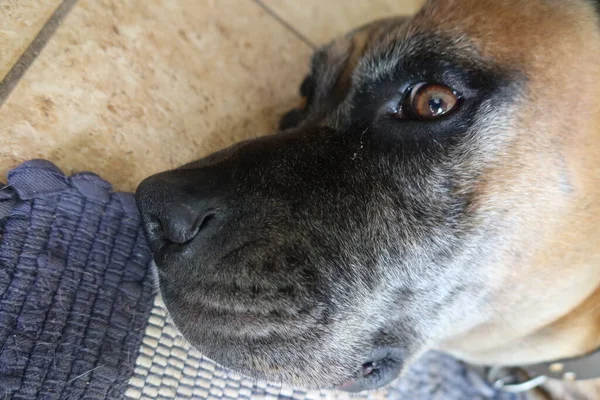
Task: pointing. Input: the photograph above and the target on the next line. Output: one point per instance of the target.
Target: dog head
(393, 213)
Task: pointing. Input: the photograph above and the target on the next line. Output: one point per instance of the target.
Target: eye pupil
(437, 106)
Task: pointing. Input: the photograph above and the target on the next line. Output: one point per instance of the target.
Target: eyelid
(414, 89)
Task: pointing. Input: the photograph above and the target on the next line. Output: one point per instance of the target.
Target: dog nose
(179, 222)
(171, 213)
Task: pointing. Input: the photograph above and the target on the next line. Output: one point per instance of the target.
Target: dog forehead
(521, 35)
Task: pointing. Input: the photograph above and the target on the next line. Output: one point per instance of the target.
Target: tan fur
(561, 110)
(546, 303)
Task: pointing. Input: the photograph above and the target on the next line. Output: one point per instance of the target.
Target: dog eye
(427, 101)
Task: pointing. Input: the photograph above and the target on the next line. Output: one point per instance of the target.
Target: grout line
(34, 49)
(285, 24)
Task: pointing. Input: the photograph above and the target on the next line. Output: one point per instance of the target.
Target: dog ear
(330, 78)
(295, 116)
(324, 87)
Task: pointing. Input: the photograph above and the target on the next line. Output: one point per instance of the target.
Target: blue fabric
(75, 289)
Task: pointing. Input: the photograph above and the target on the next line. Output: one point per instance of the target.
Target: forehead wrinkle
(410, 51)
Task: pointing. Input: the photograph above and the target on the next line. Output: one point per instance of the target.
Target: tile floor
(128, 88)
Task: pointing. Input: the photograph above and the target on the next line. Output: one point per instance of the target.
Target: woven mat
(75, 288)
(78, 319)
(168, 368)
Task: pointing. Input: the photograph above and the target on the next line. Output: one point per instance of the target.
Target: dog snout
(175, 213)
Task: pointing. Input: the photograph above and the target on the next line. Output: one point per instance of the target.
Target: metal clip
(507, 380)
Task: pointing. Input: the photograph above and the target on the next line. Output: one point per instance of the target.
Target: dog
(439, 189)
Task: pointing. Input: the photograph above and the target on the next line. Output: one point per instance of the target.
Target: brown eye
(428, 101)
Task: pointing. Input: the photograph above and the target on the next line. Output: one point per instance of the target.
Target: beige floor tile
(20, 22)
(129, 88)
(322, 20)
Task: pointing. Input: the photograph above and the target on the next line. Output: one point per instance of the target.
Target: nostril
(205, 222)
(200, 225)
(153, 223)
(177, 205)
(179, 226)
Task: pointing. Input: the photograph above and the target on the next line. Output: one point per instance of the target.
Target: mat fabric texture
(168, 368)
(75, 292)
(78, 319)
